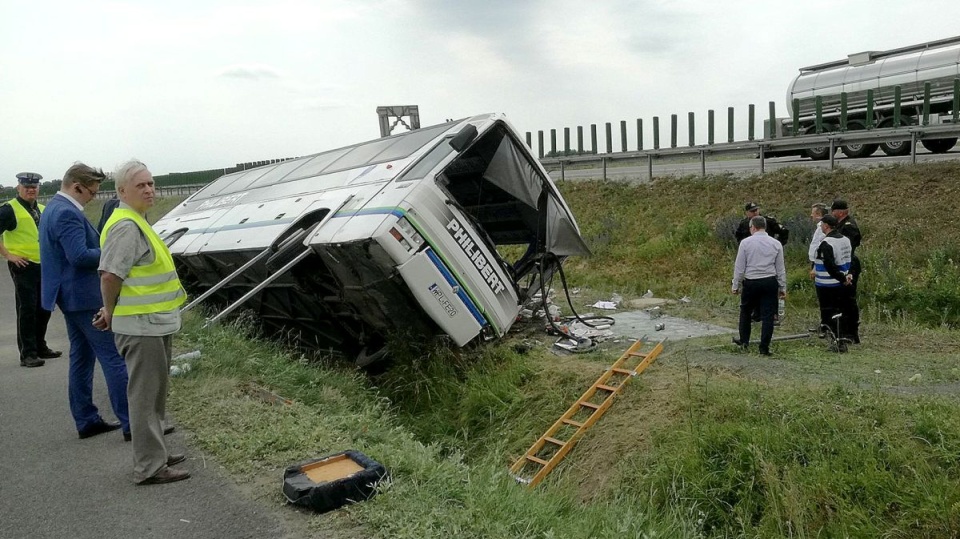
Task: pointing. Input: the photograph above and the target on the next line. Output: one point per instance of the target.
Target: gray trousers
(148, 365)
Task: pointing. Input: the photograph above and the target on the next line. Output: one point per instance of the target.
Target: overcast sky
(198, 84)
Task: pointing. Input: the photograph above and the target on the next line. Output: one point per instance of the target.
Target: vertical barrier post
(673, 130)
(639, 135)
(818, 111)
(609, 131)
(956, 100)
(751, 122)
(656, 133)
(729, 124)
(553, 142)
(762, 158)
(773, 120)
(540, 141)
(709, 127)
(603, 160)
(593, 139)
(579, 140)
(691, 125)
(926, 103)
(833, 152)
(562, 171)
(650, 166)
(529, 140)
(796, 116)
(703, 163)
(913, 148)
(896, 106)
(843, 111)
(566, 141)
(623, 135)
(869, 119)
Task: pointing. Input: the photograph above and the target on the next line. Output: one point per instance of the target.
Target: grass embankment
(709, 442)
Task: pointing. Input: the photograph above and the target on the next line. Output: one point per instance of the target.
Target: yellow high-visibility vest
(25, 239)
(153, 288)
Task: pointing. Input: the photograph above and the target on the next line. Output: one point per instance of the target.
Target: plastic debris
(648, 294)
(187, 356)
(608, 305)
(685, 299)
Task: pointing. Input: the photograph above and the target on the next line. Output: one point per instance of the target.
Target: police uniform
(832, 266)
(19, 223)
(848, 228)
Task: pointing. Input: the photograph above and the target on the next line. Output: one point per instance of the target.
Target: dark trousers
(87, 345)
(840, 300)
(32, 319)
(758, 294)
(853, 308)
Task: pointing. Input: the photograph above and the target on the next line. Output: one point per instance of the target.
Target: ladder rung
(623, 371)
(637, 354)
(572, 422)
(555, 441)
(606, 387)
(541, 462)
(589, 405)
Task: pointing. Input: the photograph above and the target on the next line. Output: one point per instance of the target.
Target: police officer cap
(839, 205)
(831, 221)
(751, 206)
(29, 178)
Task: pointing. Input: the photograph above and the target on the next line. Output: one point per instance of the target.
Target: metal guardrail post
(710, 127)
(579, 140)
(593, 138)
(623, 135)
(773, 120)
(926, 104)
(896, 106)
(553, 142)
(673, 130)
(566, 141)
(913, 147)
(751, 122)
(563, 175)
(843, 111)
(656, 133)
(603, 161)
(869, 118)
(609, 132)
(540, 141)
(833, 153)
(762, 164)
(796, 117)
(703, 163)
(639, 135)
(650, 166)
(729, 124)
(691, 127)
(956, 100)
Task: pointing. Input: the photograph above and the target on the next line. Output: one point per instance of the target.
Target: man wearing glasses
(20, 245)
(70, 249)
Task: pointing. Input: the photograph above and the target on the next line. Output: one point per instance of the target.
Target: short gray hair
(126, 172)
(758, 222)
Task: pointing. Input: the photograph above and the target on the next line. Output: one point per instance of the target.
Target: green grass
(709, 442)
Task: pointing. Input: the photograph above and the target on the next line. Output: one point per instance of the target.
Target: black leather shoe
(98, 428)
(765, 352)
(176, 459)
(31, 362)
(49, 354)
(166, 475)
(128, 437)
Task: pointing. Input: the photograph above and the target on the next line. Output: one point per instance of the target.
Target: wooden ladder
(544, 455)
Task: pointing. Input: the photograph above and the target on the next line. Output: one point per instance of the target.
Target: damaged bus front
(400, 234)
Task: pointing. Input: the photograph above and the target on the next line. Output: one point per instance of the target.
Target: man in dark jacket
(774, 230)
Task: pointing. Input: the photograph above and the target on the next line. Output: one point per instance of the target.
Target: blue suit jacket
(69, 256)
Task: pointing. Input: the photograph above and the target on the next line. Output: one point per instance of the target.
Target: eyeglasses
(91, 191)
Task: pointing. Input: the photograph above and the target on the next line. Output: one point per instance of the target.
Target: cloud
(254, 72)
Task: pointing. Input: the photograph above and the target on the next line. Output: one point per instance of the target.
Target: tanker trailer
(910, 68)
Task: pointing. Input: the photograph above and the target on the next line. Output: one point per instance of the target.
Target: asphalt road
(54, 485)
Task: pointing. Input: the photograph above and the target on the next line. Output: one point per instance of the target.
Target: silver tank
(936, 62)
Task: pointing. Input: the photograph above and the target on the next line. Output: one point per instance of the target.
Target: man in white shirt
(759, 277)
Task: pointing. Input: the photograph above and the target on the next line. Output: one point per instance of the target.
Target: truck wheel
(818, 154)
(855, 151)
(939, 145)
(898, 147)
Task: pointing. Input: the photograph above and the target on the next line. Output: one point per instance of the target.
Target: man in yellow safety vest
(20, 245)
(141, 299)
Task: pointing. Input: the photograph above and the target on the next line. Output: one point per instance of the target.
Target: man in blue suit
(70, 248)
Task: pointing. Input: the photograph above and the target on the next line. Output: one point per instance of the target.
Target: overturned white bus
(339, 249)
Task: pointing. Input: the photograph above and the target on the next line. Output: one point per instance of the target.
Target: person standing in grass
(848, 227)
(141, 297)
(834, 282)
(759, 277)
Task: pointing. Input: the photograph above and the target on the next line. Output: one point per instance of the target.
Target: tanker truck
(910, 68)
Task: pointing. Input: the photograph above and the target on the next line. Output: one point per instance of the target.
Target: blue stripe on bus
(453, 282)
